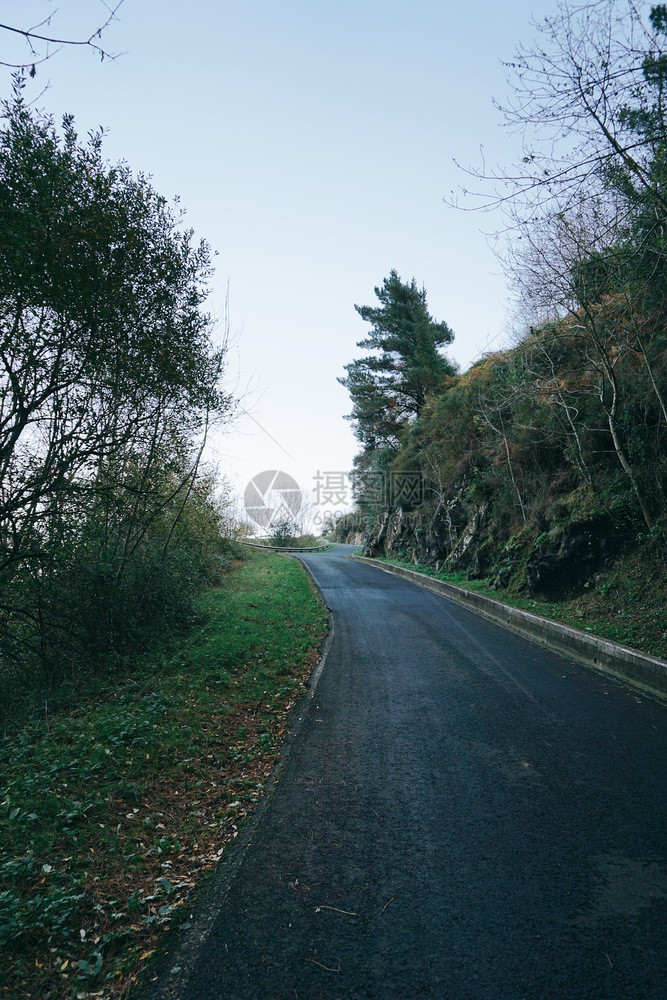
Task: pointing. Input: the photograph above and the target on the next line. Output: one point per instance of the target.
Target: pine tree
(389, 387)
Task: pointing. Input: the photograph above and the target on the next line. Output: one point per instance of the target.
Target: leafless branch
(35, 40)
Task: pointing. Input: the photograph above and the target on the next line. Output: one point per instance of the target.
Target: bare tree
(41, 41)
(570, 92)
(589, 335)
(586, 212)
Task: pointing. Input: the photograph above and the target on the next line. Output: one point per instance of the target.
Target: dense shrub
(109, 381)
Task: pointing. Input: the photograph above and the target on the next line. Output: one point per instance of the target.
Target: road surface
(462, 816)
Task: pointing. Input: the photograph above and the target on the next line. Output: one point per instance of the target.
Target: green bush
(285, 533)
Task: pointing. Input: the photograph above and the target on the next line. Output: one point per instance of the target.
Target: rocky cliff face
(462, 535)
(452, 536)
(564, 560)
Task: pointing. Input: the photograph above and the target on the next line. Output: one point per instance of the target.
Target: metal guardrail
(288, 548)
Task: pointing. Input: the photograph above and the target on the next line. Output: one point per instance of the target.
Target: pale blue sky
(312, 145)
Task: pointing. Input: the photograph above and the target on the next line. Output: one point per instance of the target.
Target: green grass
(112, 810)
(625, 605)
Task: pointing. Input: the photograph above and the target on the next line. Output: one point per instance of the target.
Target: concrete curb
(646, 673)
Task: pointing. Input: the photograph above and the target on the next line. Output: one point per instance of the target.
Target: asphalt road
(462, 816)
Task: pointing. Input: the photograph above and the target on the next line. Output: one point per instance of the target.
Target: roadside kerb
(646, 673)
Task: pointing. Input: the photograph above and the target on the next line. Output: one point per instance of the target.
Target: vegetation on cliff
(544, 466)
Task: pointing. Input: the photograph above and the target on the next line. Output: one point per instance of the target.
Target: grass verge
(625, 605)
(112, 811)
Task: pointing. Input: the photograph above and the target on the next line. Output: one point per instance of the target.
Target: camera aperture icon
(271, 497)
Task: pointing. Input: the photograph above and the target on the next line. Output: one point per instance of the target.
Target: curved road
(462, 816)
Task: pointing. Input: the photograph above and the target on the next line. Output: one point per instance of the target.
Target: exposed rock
(456, 535)
(466, 552)
(566, 558)
(451, 537)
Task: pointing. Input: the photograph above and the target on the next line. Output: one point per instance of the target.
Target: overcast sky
(312, 145)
